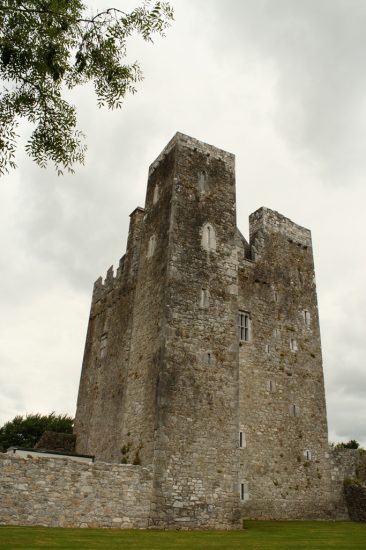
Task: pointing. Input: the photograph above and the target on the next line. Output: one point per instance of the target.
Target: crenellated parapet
(128, 264)
(112, 280)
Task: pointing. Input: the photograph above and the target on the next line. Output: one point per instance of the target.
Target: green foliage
(348, 481)
(137, 460)
(47, 46)
(351, 444)
(26, 431)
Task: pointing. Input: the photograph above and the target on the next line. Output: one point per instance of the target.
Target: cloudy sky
(280, 83)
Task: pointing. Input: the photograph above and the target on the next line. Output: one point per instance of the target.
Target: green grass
(257, 535)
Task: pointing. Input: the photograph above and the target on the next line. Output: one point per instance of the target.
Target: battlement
(111, 280)
(191, 143)
(265, 220)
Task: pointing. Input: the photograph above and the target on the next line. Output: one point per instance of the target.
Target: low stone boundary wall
(61, 493)
(356, 500)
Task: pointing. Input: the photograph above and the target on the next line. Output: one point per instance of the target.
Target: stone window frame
(244, 326)
(205, 298)
(202, 182)
(242, 440)
(293, 345)
(308, 454)
(151, 246)
(306, 317)
(103, 344)
(208, 237)
(244, 491)
(156, 194)
(294, 410)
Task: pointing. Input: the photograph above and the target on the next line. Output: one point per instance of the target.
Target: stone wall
(355, 494)
(348, 469)
(62, 493)
(285, 462)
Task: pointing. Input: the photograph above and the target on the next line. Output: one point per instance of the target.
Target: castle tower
(203, 359)
(284, 462)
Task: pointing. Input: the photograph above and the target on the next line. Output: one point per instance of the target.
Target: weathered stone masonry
(62, 493)
(202, 367)
(230, 426)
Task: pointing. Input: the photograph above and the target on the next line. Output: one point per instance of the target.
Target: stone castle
(201, 394)
(203, 357)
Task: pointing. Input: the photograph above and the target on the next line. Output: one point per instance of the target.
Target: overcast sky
(280, 83)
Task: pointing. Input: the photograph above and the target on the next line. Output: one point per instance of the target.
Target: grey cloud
(317, 48)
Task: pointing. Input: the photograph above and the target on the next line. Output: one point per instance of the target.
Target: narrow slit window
(271, 386)
(267, 348)
(244, 326)
(307, 454)
(202, 180)
(306, 315)
(151, 246)
(204, 297)
(156, 194)
(293, 345)
(294, 410)
(208, 240)
(242, 440)
(103, 345)
(244, 491)
(209, 358)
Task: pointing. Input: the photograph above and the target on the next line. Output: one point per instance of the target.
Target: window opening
(151, 247)
(202, 182)
(244, 326)
(103, 345)
(306, 314)
(156, 194)
(307, 454)
(208, 240)
(242, 440)
(293, 344)
(294, 410)
(244, 491)
(204, 297)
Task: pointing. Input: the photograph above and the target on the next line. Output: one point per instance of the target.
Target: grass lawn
(257, 535)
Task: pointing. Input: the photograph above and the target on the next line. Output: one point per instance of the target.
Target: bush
(26, 431)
